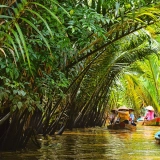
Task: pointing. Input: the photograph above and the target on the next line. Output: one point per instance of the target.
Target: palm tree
(140, 84)
(105, 71)
(47, 66)
(122, 22)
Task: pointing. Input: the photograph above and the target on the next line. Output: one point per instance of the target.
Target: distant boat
(153, 122)
(122, 125)
(157, 137)
(140, 120)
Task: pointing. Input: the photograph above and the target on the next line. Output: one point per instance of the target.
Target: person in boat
(132, 117)
(131, 110)
(149, 114)
(123, 115)
(113, 115)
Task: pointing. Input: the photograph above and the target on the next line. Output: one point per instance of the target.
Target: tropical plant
(58, 65)
(140, 84)
(29, 80)
(107, 68)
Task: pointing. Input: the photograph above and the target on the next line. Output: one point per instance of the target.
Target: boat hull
(157, 137)
(153, 122)
(122, 126)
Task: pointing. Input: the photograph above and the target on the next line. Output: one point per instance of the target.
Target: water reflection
(96, 144)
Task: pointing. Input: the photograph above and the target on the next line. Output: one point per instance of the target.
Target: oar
(143, 123)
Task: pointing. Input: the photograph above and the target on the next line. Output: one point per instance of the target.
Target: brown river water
(94, 144)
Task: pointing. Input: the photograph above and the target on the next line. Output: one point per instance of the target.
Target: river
(96, 144)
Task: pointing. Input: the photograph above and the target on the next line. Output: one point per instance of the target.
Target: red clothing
(149, 115)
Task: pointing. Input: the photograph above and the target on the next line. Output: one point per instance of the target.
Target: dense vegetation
(61, 63)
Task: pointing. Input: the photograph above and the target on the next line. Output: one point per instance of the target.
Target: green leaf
(21, 92)
(30, 109)
(15, 91)
(3, 6)
(63, 9)
(13, 108)
(38, 15)
(33, 26)
(117, 9)
(53, 15)
(19, 105)
(4, 16)
(19, 43)
(23, 42)
(12, 42)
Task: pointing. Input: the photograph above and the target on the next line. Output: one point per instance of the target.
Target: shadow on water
(95, 143)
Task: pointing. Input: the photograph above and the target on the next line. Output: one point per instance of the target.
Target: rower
(123, 115)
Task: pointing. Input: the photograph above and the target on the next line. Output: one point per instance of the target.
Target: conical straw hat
(114, 109)
(122, 108)
(131, 109)
(150, 108)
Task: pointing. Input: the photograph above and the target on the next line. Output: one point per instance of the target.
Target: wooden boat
(157, 137)
(130, 126)
(122, 125)
(153, 122)
(140, 121)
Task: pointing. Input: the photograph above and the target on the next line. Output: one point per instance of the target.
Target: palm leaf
(23, 42)
(51, 13)
(10, 39)
(38, 15)
(17, 39)
(4, 16)
(61, 8)
(36, 29)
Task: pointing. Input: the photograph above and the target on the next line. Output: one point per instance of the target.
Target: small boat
(157, 137)
(122, 125)
(153, 122)
(140, 120)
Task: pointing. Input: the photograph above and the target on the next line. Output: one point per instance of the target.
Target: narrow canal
(96, 144)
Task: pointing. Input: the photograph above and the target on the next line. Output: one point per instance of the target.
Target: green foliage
(30, 55)
(15, 94)
(138, 85)
(50, 50)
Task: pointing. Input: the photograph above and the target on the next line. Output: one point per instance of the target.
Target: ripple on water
(95, 144)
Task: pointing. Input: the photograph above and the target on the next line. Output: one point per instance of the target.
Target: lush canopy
(63, 63)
